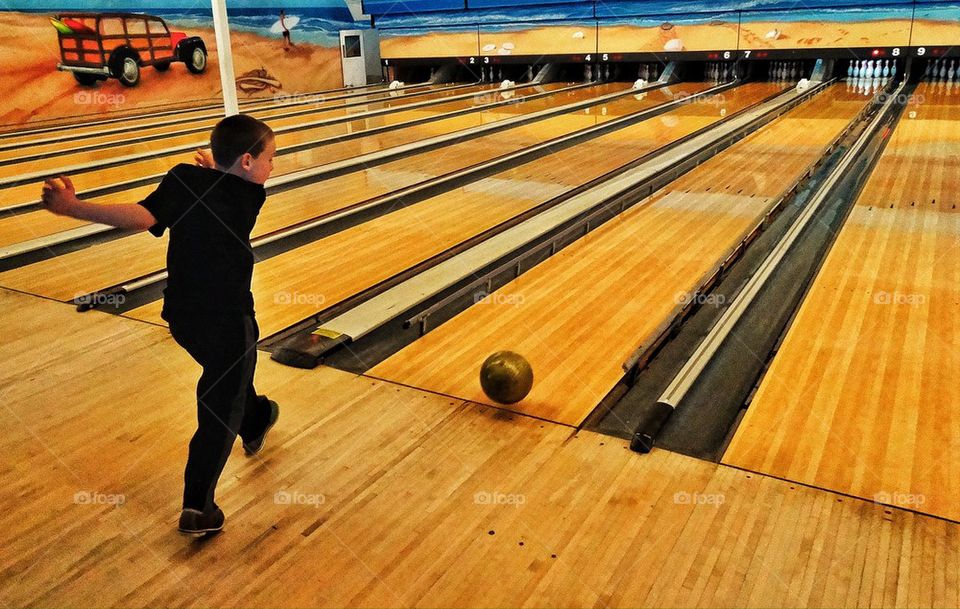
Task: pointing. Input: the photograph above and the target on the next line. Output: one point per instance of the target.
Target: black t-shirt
(209, 260)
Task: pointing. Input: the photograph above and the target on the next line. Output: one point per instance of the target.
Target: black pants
(225, 346)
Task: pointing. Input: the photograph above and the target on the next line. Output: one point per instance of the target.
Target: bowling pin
(952, 71)
(893, 69)
(850, 70)
(886, 68)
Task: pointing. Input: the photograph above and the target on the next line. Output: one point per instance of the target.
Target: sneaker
(255, 445)
(197, 524)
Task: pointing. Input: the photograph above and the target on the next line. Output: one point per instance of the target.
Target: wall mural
(567, 37)
(636, 26)
(888, 26)
(936, 25)
(668, 33)
(176, 54)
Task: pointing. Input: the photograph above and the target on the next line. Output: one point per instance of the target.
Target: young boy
(210, 210)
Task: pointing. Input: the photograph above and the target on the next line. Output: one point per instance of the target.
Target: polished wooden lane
(96, 267)
(143, 125)
(862, 397)
(374, 495)
(275, 118)
(23, 227)
(283, 163)
(298, 283)
(33, 225)
(578, 316)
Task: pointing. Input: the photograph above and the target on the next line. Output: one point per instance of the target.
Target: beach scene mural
(266, 63)
(412, 42)
(527, 31)
(539, 39)
(887, 26)
(655, 26)
(668, 33)
(936, 25)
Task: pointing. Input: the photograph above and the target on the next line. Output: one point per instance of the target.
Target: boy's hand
(59, 195)
(204, 158)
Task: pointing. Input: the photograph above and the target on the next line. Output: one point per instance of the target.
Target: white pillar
(228, 81)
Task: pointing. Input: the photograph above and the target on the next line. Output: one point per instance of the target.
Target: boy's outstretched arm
(60, 197)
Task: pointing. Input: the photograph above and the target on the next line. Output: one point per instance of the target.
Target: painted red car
(98, 46)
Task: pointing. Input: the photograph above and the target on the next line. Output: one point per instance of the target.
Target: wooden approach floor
(374, 495)
(863, 396)
(578, 316)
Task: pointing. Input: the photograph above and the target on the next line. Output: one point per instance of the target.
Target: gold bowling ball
(506, 377)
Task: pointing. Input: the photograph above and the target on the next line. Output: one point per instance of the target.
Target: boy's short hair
(237, 134)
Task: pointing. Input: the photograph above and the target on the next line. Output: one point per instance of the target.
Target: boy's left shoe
(195, 523)
(255, 445)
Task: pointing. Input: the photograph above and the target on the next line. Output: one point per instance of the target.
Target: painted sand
(546, 40)
(818, 35)
(679, 37)
(462, 43)
(927, 32)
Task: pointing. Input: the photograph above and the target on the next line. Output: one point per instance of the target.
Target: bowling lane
(23, 227)
(172, 135)
(299, 283)
(53, 165)
(578, 316)
(92, 267)
(862, 396)
(16, 229)
(265, 109)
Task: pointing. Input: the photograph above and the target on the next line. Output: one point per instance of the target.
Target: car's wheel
(163, 66)
(196, 59)
(87, 80)
(125, 67)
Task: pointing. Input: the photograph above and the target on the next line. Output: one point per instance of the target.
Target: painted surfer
(287, 43)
